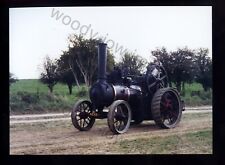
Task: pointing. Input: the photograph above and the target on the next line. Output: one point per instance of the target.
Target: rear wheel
(166, 107)
(119, 117)
(80, 115)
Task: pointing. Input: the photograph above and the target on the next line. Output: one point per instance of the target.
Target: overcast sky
(37, 32)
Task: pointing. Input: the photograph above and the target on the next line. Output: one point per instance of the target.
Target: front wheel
(80, 115)
(119, 117)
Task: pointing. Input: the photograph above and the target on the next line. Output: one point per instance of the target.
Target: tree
(49, 73)
(69, 73)
(132, 63)
(65, 75)
(163, 57)
(204, 68)
(84, 55)
(12, 78)
(178, 64)
(110, 61)
(65, 63)
(67, 78)
(183, 67)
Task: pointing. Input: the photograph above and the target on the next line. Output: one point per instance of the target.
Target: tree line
(185, 66)
(78, 65)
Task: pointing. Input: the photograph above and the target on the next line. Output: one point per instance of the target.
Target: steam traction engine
(128, 98)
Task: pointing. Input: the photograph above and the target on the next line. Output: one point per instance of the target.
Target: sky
(40, 31)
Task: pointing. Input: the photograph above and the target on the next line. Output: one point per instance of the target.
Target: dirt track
(60, 137)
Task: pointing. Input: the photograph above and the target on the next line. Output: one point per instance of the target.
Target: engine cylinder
(121, 92)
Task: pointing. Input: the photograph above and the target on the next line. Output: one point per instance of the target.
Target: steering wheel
(156, 77)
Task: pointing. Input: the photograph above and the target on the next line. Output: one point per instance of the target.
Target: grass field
(33, 86)
(205, 98)
(30, 95)
(196, 142)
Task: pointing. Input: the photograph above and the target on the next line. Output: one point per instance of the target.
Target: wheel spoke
(119, 125)
(78, 108)
(83, 122)
(173, 114)
(120, 110)
(85, 106)
(116, 124)
(87, 121)
(124, 124)
(82, 107)
(80, 122)
(115, 121)
(125, 121)
(169, 119)
(88, 110)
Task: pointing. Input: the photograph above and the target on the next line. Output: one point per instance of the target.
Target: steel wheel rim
(121, 117)
(169, 108)
(82, 115)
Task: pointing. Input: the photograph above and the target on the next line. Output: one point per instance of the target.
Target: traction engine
(124, 99)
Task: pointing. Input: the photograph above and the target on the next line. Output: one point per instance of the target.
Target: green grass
(205, 98)
(29, 95)
(189, 143)
(33, 86)
(192, 87)
(189, 116)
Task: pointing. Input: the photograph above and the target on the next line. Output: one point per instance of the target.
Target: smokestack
(102, 60)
